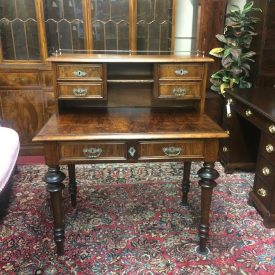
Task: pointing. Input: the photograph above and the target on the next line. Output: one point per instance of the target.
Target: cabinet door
(154, 26)
(64, 25)
(121, 26)
(110, 25)
(19, 32)
(25, 108)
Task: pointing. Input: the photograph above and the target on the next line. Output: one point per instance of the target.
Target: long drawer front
(131, 151)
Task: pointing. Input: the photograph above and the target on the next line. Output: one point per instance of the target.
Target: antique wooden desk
(258, 107)
(129, 109)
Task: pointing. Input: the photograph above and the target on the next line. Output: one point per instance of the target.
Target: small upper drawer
(160, 150)
(19, 79)
(180, 71)
(80, 72)
(83, 151)
(81, 90)
(179, 90)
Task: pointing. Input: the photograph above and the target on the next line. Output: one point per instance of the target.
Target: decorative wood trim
(133, 26)
(41, 30)
(173, 25)
(87, 16)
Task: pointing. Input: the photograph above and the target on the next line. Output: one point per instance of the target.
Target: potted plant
(235, 52)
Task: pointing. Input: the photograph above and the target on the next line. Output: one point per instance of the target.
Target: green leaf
(221, 38)
(218, 52)
(248, 7)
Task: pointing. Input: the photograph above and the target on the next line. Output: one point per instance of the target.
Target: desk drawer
(19, 79)
(93, 151)
(80, 71)
(180, 90)
(81, 90)
(180, 71)
(159, 150)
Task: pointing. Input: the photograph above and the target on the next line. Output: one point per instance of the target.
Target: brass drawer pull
(228, 108)
(225, 149)
(181, 72)
(262, 192)
(79, 73)
(80, 92)
(266, 171)
(179, 92)
(248, 112)
(92, 152)
(171, 151)
(271, 129)
(269, 148)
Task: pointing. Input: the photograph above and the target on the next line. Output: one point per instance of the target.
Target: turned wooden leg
(72, 183)
(186, 182)
(54, 178)
(208, 175)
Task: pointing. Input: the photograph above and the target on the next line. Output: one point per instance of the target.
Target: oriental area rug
(129, 220)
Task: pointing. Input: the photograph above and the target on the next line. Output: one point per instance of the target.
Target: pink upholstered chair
(9, 149)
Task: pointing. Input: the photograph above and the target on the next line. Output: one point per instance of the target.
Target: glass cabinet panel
(64, 25)
(154, 26)
(18, 27)
(110, 25)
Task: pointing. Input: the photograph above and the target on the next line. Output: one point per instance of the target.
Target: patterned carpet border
(129, 220)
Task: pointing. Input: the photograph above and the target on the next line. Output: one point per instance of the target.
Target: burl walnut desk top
(147, 108)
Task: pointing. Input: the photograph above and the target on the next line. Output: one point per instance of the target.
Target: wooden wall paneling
(25, 108)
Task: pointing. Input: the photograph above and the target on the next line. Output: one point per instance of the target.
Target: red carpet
(129, 220)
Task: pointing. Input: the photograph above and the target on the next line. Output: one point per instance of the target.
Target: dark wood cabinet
(240, 150)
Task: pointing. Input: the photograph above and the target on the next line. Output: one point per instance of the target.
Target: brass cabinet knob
(225, 149)
(262, 192)
(228, 132)
(266, 171)
(248, 112)
(229, 115)
(271, 128)
(269, 148)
